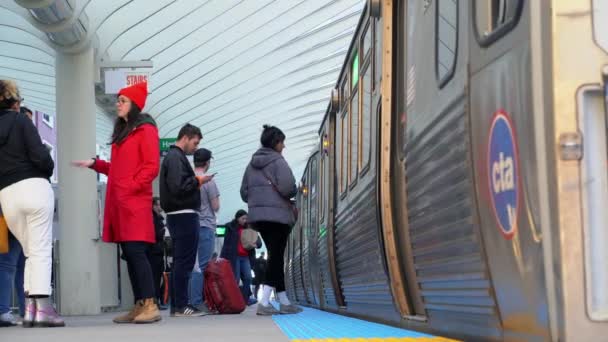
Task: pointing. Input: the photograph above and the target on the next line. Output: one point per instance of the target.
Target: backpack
(249, 238)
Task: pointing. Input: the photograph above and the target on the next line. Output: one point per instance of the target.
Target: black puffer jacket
(22, 154)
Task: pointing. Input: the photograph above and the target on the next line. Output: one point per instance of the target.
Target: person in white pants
(27, 201)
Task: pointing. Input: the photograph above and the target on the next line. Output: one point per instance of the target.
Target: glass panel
(378, 52)
(339, 164)
(446, 35)
(322, 186)
(366, 43)
(493, 15)
(355, 71)
(354, 137)
(344, 125)
(366, 117)
(313, 196)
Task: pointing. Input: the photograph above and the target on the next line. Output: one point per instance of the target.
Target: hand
(203, 179)
(83, 163)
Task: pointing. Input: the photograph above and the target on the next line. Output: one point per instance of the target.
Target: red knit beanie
(137, 93)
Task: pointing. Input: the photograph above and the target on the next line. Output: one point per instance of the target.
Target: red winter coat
(135, 164)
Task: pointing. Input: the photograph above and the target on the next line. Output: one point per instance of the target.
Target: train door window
(354, 75)
(313, 194)
(366, 114)
(322, 185)
(343, 93)
(344, 163)
(495, 18)
(338, 157)
(446, 39)
(377, 52)
(354, 137)
(366, 42)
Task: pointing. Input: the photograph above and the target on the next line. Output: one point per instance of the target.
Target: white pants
(28, 208)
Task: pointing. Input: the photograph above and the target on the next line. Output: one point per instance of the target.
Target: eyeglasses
(122, 101)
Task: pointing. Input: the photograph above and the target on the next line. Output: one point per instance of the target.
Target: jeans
(8, 267)
(184, 233)
(206, 245)
(243, 272)
(19, 275)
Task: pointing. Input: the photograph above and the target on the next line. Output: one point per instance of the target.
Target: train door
(442, 251)
(502, 132)
(310, 267)
(573, 112)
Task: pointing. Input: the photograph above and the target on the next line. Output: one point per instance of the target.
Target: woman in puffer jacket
(268, 186)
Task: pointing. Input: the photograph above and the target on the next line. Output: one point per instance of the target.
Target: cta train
(459, 186)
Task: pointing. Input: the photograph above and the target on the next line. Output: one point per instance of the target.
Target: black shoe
(189, 311)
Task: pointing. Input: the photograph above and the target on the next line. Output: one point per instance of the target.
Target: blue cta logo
(503, 173)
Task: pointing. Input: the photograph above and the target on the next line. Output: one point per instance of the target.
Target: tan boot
(130, 316)
(149, 312)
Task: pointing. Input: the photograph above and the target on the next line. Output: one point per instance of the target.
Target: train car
(460, 178)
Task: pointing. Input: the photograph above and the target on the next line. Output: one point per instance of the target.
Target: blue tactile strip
(314, 324)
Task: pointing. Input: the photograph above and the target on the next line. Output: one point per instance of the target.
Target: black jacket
(178, 184)
(231, 242)
(22, 154)
(159, 232)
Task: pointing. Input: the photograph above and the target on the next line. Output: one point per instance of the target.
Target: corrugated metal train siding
(288, 265)
(306, 264)
(359, 257)
(451, 269)
(326, 283)
(297, 266)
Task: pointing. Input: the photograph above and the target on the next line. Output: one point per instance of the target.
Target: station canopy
(227, 66)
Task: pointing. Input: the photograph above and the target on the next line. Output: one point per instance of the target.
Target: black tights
(140, 271)
(275, 237)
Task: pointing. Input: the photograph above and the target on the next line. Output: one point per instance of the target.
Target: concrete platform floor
(246, 327)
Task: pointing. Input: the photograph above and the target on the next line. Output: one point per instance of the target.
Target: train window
(494, 18)
(344, 153)
(446, 39)
(366, 42)
(338, 162)
(312, 194)
(354, 138)
(377, 53)
(322, 186)
(343, 92)
(366, 114)
(354, 75)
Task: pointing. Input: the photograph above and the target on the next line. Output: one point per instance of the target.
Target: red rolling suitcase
(222, 293)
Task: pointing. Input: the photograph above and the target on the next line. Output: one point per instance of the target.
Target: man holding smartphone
(210, 205)
(180, 199)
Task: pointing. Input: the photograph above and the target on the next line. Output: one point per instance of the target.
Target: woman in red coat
(128, 217)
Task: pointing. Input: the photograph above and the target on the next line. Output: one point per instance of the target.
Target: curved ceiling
(226, 66)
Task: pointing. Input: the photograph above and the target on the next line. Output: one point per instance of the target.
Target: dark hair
(239, 213)
(271, 136)
(189, 131)
(23, 110)
(122, 128)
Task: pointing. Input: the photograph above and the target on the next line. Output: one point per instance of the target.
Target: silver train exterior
(459, 186)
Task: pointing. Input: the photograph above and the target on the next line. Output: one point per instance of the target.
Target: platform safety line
(378, 339)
